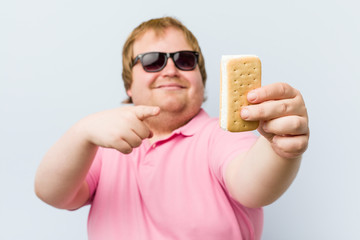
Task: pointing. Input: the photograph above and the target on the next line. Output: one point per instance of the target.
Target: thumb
(143, 112)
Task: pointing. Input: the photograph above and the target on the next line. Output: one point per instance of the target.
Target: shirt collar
(194, 124)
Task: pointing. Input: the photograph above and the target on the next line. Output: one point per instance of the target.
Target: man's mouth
(170, 86)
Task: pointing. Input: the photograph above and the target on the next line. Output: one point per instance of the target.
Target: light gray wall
(61, 60)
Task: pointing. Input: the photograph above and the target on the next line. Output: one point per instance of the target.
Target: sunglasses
(156, 61)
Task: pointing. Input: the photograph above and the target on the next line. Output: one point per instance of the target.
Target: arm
(260, 176)
(60, 178)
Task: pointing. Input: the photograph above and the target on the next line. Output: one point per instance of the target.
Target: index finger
(275, 91)
(143, 112)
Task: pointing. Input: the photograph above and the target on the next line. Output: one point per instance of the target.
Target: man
(163, 169)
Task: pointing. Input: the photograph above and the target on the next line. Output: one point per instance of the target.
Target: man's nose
(170, 69)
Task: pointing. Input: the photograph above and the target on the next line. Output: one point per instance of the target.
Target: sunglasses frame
(167, 56)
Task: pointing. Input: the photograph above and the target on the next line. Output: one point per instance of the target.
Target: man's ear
(129, 93)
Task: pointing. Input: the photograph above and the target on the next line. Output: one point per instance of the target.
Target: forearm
(261, 176)
(61, 174)
(63, 169)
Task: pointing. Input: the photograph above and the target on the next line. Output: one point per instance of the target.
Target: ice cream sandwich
(239, 75)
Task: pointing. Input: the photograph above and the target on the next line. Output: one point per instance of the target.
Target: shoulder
(204, 125)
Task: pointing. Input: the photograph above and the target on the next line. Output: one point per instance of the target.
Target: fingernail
(265, 127)
(251, 96)
(156, 110)
(245, 113)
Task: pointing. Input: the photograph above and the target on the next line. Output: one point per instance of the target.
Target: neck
(165, 123)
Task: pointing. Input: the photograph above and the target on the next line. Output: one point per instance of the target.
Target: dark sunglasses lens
(185, 60)
(153, 62)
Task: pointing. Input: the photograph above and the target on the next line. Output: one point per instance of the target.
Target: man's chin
(171, 103)
(172, 107)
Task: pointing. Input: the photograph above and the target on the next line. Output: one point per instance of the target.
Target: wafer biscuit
(239, 75)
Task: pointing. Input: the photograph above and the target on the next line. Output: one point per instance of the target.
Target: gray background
(61, 60)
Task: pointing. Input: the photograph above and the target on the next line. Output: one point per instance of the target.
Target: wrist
(82, 133)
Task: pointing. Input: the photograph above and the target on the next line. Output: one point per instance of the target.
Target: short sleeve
(93, 175)
(224, 147)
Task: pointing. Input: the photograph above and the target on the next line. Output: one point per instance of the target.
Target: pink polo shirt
(172, 189)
